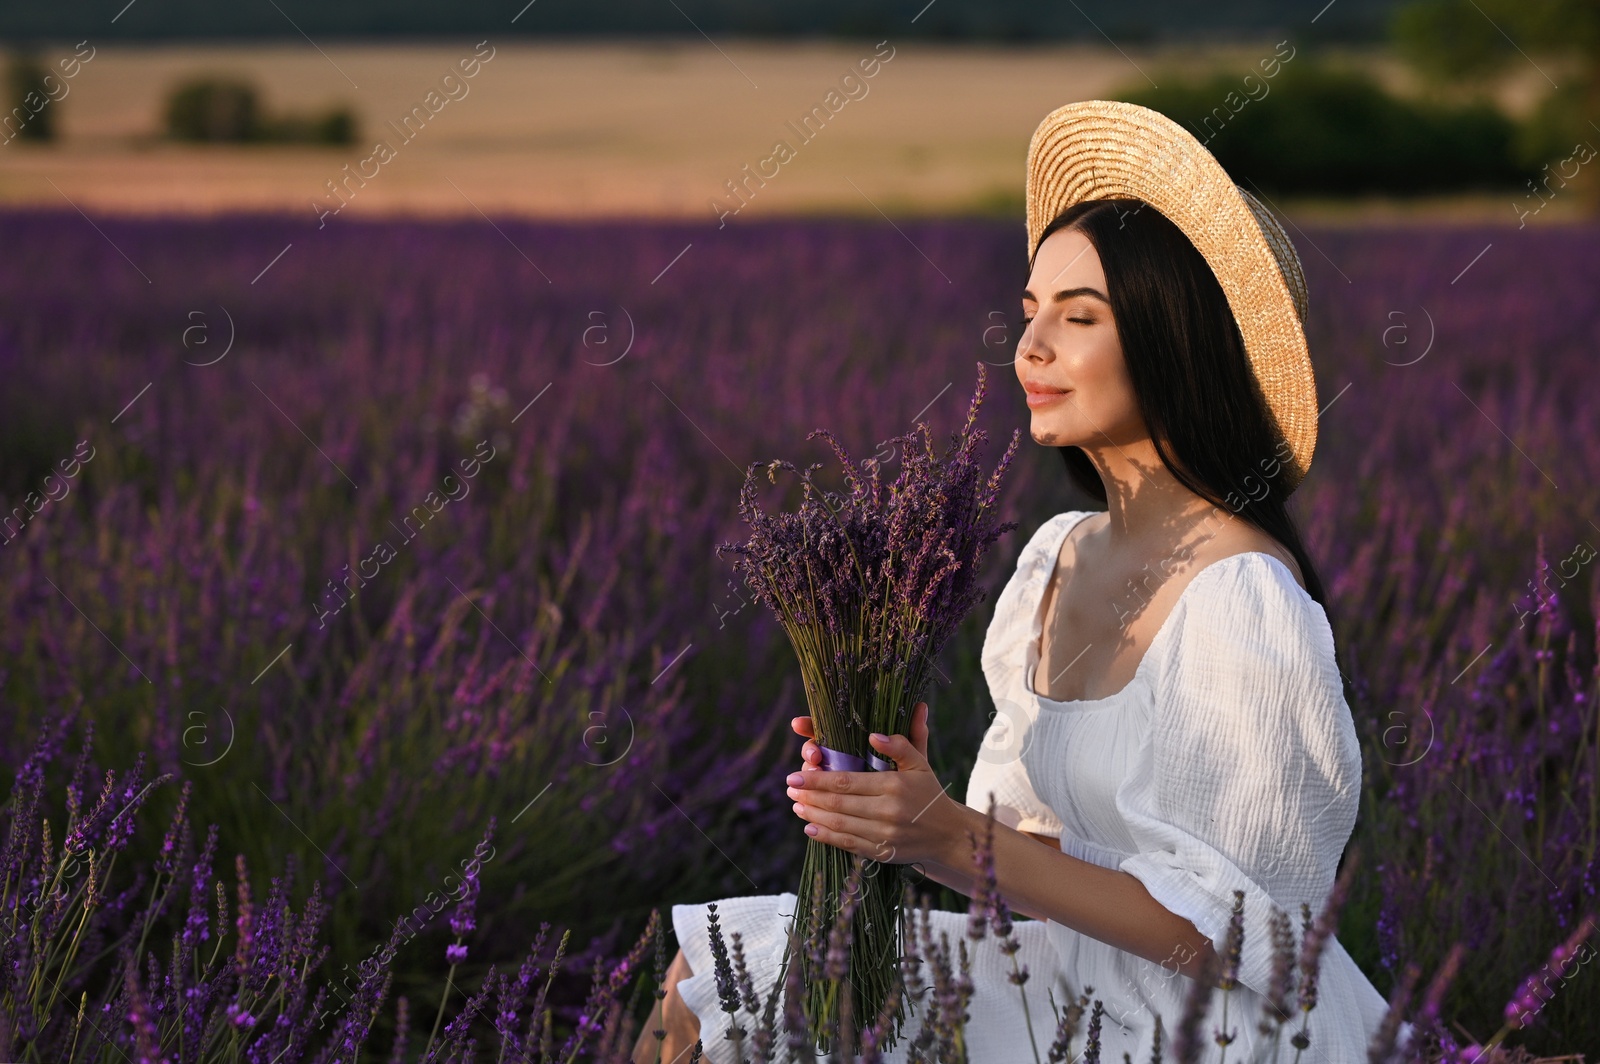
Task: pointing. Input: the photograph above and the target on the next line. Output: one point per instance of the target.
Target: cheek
(1101, 359)
(1117, 400)
(1102, 390)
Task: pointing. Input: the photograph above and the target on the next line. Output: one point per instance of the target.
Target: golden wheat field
(655, 128)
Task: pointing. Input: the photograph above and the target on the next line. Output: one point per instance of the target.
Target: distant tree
(227, 110)
(334, 126)
(1310, 126)
(29, 111)
(213, 109)
(1451, 41)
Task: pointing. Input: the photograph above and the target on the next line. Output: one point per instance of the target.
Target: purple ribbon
(839, 761)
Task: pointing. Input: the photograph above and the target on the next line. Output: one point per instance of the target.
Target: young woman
(1171, 725)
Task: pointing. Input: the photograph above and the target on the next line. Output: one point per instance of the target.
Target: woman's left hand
(902, 817)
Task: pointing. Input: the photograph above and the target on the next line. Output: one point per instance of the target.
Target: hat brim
(1104, 149)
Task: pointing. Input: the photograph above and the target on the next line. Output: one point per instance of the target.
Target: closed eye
(1023, 323)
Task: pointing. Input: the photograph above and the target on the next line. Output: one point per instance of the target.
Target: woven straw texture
(1102, 149)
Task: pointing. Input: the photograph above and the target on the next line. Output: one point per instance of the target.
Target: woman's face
(1069, 358)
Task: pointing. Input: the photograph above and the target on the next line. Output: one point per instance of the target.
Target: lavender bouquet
(869, 588)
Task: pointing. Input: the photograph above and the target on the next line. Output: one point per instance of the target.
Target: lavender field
(397, 550)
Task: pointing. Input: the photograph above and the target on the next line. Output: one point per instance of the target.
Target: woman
(1171, 725)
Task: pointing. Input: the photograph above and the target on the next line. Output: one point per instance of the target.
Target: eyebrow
(1067, 293)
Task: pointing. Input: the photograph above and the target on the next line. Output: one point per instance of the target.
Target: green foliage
(227, 110)
(214, 109)
(334, 126)
(1446, 40)
(1450, 41)
(28, 111)
(1559, 123)
(1317, 128)
(1456, 39)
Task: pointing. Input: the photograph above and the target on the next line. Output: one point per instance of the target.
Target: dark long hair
(1207, 416)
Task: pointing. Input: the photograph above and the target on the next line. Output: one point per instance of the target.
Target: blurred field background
(655, 128)
(268, 392)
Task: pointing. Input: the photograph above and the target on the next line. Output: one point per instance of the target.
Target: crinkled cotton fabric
(1229, 762)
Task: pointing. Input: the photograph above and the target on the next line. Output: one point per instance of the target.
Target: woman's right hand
(810, 752)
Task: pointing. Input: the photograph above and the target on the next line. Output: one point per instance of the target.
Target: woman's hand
(902, 817)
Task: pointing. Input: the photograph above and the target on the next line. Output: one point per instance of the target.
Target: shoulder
(1048, 535)
(1038, 554)
(1244, 621)
(1072, 523)
(1238, 537)
(1035, 561)
(1254, 592)
(1248, 682)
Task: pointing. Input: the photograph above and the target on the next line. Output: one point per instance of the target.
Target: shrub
(214, 109)
(227, 110)
(29, 112)
(1316, 128)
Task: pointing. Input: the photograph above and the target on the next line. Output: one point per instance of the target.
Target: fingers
(919, 728)
(841, 830)
(810, 752)
(819, 782)
(845, 841)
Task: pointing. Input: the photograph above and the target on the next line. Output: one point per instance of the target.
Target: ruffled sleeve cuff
(1199, 898)
(999, 769)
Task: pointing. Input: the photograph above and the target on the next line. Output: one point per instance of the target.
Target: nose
(1029, 347)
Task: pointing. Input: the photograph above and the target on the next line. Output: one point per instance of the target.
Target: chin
(1048, 436)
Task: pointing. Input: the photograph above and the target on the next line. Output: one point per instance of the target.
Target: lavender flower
(1186, 1043)
(463, 920)
(1383, 1039)
(402, 1010)
(167, 863)
(747, 989)
(839, 938)
(1091, 1050)
(157, 560)
(245, 924)
(727, 990)
(1275, 1006)
(1067, 1025)
(1314, 939)
(982, 910)
(763, 1043)
(797, 1037)
(869, 587)
(1233, 944)
(1427, 1021)
(1535, 990)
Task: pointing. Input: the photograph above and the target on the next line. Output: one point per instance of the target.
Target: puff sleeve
(999, 763)
(1250, 777)
(999, 768)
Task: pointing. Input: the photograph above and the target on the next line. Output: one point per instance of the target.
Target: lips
(1042, 395)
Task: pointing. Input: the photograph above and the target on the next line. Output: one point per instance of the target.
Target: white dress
(1229, 761)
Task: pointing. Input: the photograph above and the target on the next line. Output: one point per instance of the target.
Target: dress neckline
(1030, 662)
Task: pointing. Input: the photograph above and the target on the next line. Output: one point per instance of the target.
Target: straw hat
(1101, 149)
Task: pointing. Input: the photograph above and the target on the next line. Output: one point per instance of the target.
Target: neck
(1145, 503)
